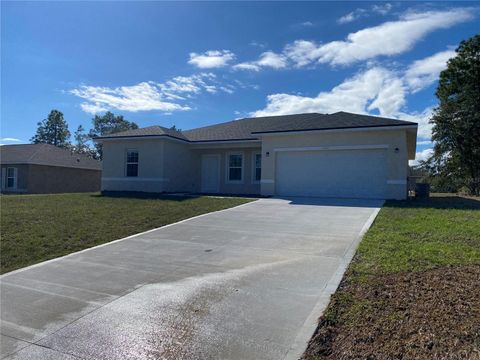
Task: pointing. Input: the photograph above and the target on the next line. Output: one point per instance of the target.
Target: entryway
(210, 173)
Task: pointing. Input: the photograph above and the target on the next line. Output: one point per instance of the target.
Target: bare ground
(434, 314)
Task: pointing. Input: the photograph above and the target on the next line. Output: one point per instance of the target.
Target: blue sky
(195, 64)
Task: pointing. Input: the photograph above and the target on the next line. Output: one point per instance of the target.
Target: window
(132, 163)
(257, 167)
(11, 177)
(235, 167)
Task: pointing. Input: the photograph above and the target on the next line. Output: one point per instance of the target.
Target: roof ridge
(372, 116)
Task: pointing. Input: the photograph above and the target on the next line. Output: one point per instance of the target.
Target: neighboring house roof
(147, 131)
(46, 154)
(251, 128)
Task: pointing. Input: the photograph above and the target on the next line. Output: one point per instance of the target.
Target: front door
(210, 173)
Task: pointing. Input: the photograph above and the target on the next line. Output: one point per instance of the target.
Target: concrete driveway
(243, 283)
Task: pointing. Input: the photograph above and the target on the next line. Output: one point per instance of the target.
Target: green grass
(35, 228)
(407, 238)
(418, 235)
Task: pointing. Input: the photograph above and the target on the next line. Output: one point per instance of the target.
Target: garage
(344, 173)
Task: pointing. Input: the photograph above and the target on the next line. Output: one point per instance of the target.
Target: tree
(456, 121)
(81, 142)
(108, 124)
(53, 130)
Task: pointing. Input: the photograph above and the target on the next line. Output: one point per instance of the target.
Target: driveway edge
(309, 326)
(118, 240)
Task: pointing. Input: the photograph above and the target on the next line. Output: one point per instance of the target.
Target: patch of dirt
(427, 315)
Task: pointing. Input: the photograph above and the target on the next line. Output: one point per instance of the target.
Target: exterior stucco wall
(180, 167)
(397, 163)
(150, 166)
(166, 165)
(247, 186)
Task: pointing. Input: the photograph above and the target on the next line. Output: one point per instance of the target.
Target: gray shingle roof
(339, 120)
(243, 129)
(45, 154)
(147, 131)
(250, 128)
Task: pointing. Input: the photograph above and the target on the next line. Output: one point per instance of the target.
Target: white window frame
(14, 177)
(128, 163)
(254, 167)
(227, 167)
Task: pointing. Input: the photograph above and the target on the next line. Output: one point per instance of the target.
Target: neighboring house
(335, 155)
(44, 168)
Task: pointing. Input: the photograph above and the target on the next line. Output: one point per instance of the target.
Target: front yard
(412, 290)
(35, 228)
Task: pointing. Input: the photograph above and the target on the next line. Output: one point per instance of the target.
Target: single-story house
(44, 168)
(323, 155)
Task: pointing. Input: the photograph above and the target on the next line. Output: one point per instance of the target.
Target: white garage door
(332, 173)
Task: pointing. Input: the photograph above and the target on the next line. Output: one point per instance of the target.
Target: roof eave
(41, 163)
(165, 136)
(225, 141)
(137, 137)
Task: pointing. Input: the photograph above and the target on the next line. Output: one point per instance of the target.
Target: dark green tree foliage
(456, 121)
(108, 124)
(53, 130)
(81, 145)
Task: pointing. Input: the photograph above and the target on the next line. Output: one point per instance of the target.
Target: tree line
(54, 130)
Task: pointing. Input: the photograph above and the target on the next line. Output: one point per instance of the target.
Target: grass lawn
(413, 288)
(35, 228)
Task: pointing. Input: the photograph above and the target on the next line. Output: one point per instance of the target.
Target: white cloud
(382, 9)
(141, 97)
(302, 25)
(351, 16)
(273, 60)
(9, 139)
(422, 118)
(92, 108)
(302, 52)
(267, 59)
(257, 44)
(251, 66)
(229, 89)
(424, 142)
(421, 156)
(390, 97)
(387, 39)
(306, 24)
(373, 91)
(187, 84)
(423, 73)
(367, 91)
(146, 96)
(211, 59)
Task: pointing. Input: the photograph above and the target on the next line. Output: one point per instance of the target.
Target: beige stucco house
(44, 168)
(323, 155)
